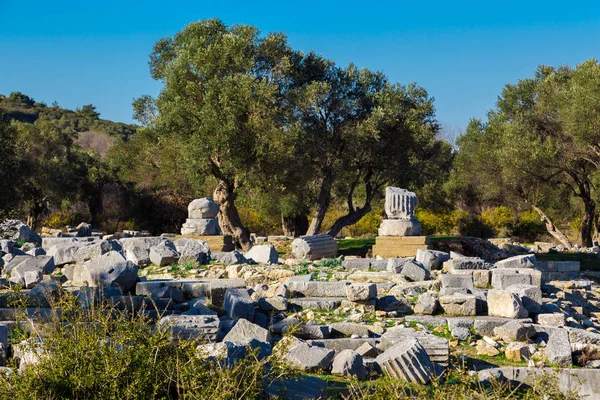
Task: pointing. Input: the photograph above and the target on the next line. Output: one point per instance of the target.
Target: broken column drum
(400, 211)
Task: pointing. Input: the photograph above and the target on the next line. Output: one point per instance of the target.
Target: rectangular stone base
(215, 242)
(399, 246)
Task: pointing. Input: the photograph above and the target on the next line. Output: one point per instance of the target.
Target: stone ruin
(202, 218)
(405, 317)
(399, 232)
(400, 211)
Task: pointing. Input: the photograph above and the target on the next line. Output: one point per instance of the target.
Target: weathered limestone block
(484, 325)
(349, 329)
(318, 288)
(308, 332)
(320, 303)
(427, 304)
(13, 229)
(395, 265)
(503, 278)
(309, 358)
(431, 259)
(399, 227)
(65, 253)
(203, 327)
(275, 303)
(244, 331)
(238, 304)
(110, 269)
(415, 272)
(517, 351)
(361, 291)
(407, 360)
(263, 254)
(201, 226)
(530, 296)
(192, 250)
(163, 254)
(29, 272)
(482, 278)
(399, 246)
(142, 242)
(458, 304)
(462, 262)
(558, 349)
(555, 319)
(515, 331)
(457, 281)
(230, 257)
(203, 208)
(138, 255)
(315, 247)
(349, 363)
(96, 249)
(558, 270)
(502, 303)
(524, 261)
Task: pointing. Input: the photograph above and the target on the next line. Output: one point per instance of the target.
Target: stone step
(316, 303)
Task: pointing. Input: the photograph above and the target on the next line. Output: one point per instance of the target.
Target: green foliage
(539, 146)
(457, 384)
(499, 218)
(528, 227)
(102, 353)
(330, 262)
(59, 219)
(20, 107)
(9, 167)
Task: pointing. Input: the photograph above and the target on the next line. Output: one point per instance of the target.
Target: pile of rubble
(358, 317)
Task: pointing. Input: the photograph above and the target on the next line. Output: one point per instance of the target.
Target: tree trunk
(351, 218)
(552, 229)
(229, 218)
(95, 208)
(587, 221)
(294, 225)
(33, 217)
(322, 204)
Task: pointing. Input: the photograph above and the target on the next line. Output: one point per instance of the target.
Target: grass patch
(355, 247)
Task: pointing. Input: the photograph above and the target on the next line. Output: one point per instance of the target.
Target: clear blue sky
(462, 52)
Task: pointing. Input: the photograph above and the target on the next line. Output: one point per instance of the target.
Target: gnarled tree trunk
(294, 225)
(355, 214)
(587, 221)
(229, 218)
(322, 204)
(552, 229)
(351, 218)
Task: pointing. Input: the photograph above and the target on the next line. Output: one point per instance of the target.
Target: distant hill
(81, 123)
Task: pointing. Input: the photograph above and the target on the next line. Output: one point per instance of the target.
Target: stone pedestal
(399, 246)
(216, 243)
(202, 218)
(200, 226)
(399, 227)
(399, 232)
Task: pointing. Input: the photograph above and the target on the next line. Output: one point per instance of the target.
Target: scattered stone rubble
(355, 318)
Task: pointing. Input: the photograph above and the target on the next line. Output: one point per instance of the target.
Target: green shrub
(500, 219)
(457, 385)
(102, 353)
(473, 225)
(528, 227)
(433, 223)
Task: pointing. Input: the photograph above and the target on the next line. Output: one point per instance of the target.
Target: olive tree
(221, 97)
